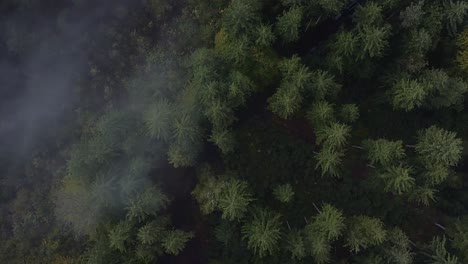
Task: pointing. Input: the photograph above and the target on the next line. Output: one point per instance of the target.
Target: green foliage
(224, 140)
(225, 232)
(363, 232)
(408, 94)
(399, 248)
(438, 252)
(349, 113)
(295, 245)
(234, 199)
(148, 203)
(323, 85)
(120, 235)
(423, 195)
(320, 249)
(454, 13)
(383, 151)
(398, 179)
(332, 7)
(333, 136)
(186, 129)
(288, 98)
(374, 40)
(459, 232)
(240, 88)
(345, 43)
(283, 193)
(368, 14)
(288, 25)
(240, 16)
(462, 54)
(285, 102)
(174, 241)
(439, 146)
(158, 120)
(329, 224)
(328, 161)
(183, 154)
(262, 232)
(294, 73)
(412, 15)
(264, 36)
(208, 191)
(435, 173)
(444, 91)
(153, 231)
(321, 113)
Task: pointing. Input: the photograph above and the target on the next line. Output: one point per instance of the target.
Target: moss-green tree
(363, 232)
(283, 193)
(234, 199)
(262, 232)
(439, 146)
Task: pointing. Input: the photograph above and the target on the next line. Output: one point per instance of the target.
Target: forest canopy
(234, 131)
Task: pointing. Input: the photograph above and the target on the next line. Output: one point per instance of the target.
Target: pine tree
(435, 174)
(349, 113)
(320, 249)
(208, 191)
(384, 152)
(288, 25)
(329, 223)
(234, 199)
(444, 91)
(264, 36)
(240, 16)
(368, 14)
(334, 136)
(459, 232)
(454, 13)
(328, 161)
(224, 139)
(148, 203)
(439, 146)
(153, 231)
(398, 179)
(240, 88)
(331, 7)
(345, 43)
(438, 252)
(174, 241)
(186, 128)
(262, 232)
(423, 195)
(285, 102)
(120, 236)
(219, 114)
(412, 15)
(283, 193)
(408, 94)
(295, 245)
(323, 84)
(363, 232)
(399, 248)
(462, 55)
(321, 113)
(158, 120)
(373, 41)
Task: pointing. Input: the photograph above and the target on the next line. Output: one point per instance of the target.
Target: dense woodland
(234, 131)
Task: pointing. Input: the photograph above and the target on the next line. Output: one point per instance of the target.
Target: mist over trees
(233, 131)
